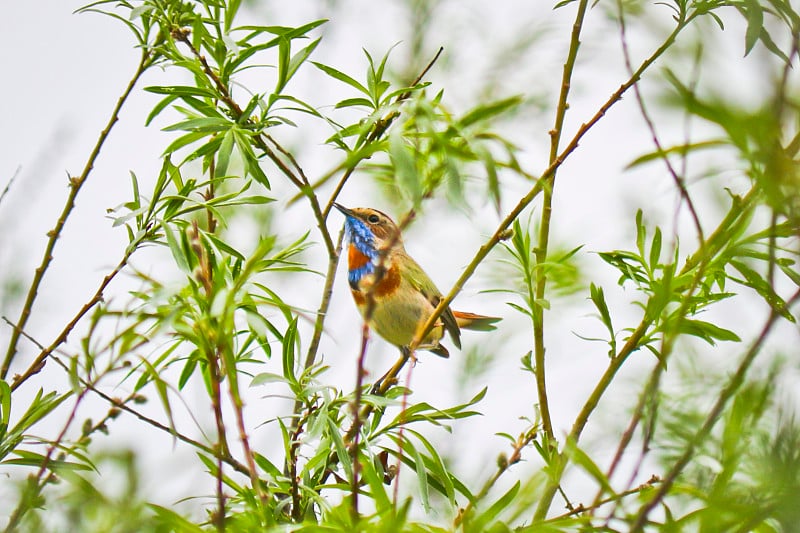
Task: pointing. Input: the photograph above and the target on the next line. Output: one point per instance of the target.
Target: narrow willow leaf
(224, 153)
(482, 521)
(406, 174)
(489, 111)
(289, 339)
(706, 331)
(582, 459)
(341, 76)
(755, 24)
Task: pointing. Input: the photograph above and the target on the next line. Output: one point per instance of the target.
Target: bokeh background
(64, 71)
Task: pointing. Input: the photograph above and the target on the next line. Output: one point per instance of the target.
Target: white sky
(63, 73)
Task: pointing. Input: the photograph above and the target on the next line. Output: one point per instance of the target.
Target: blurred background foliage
(616, 179)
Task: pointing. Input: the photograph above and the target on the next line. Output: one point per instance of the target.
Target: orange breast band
(355, 259)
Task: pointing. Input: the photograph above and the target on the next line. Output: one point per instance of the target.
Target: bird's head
(369, 228)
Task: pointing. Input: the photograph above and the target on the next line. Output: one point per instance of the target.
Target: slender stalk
(713, 245)
(377, 132)
(638, 412)
(503, 464)
(355, 481)
(221, 448)
(75, 185)
(8, 185)
(502, 230)
(580, 509)
(724, 397)
(401, 436)
(678, 180)
(117, 403)
(238, 407)
(544, 226)
(319, 323)
(38, 363)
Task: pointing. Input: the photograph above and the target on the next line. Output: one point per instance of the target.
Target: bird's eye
(373, 219)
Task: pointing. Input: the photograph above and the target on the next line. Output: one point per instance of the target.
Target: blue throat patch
(361, 236)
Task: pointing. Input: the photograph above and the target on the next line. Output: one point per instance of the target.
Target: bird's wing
(420, 280)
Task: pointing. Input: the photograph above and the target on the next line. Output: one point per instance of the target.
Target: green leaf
(641, 232)
(754, 280)
(755, 24)
(599, 300)
(284, 49)
(680, 149)
(341, 76)
(655, 249)
(422, 474)
(354, 102)
(582, 459)
(33, 459)
(184, 140)
(706, 331)
(204, 124)
(162, 390)
(489, 111)
(175, 246)
(187, 372)
(289, 339)
(299, 58)
(224, 153)
(158, 108)
(5, 404)
(482, 521)
(435, 464)
(341, 449)
(370, 473)
(180, 90)
(266, 378)
(174, 521)
(408, 179)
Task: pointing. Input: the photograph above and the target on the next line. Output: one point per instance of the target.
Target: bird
(404, 295)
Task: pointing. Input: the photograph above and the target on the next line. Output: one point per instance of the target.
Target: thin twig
(122, 404)
(544, 224)
(652, 385)
(400, 436)
(355, 480)
(580, 509)
(354, 432)
(75, 185)
(378, 130)
(327, 293)
(204, 275)
(724, 397)
(8, 185)
(501, 232)
(36, 481)
(638, 412)
(38, 363)
(679, 181)
(503, 464)
(716, 242)
(238, 406)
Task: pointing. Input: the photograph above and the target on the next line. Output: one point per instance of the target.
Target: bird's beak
(345, 211)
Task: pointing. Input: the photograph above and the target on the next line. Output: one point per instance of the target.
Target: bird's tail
(475, 322)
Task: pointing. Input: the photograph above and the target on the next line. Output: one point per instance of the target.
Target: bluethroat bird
(404, 297)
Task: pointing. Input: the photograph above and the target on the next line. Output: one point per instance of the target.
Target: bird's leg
(406, 355)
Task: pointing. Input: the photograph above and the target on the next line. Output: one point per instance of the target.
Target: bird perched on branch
(404, 296)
